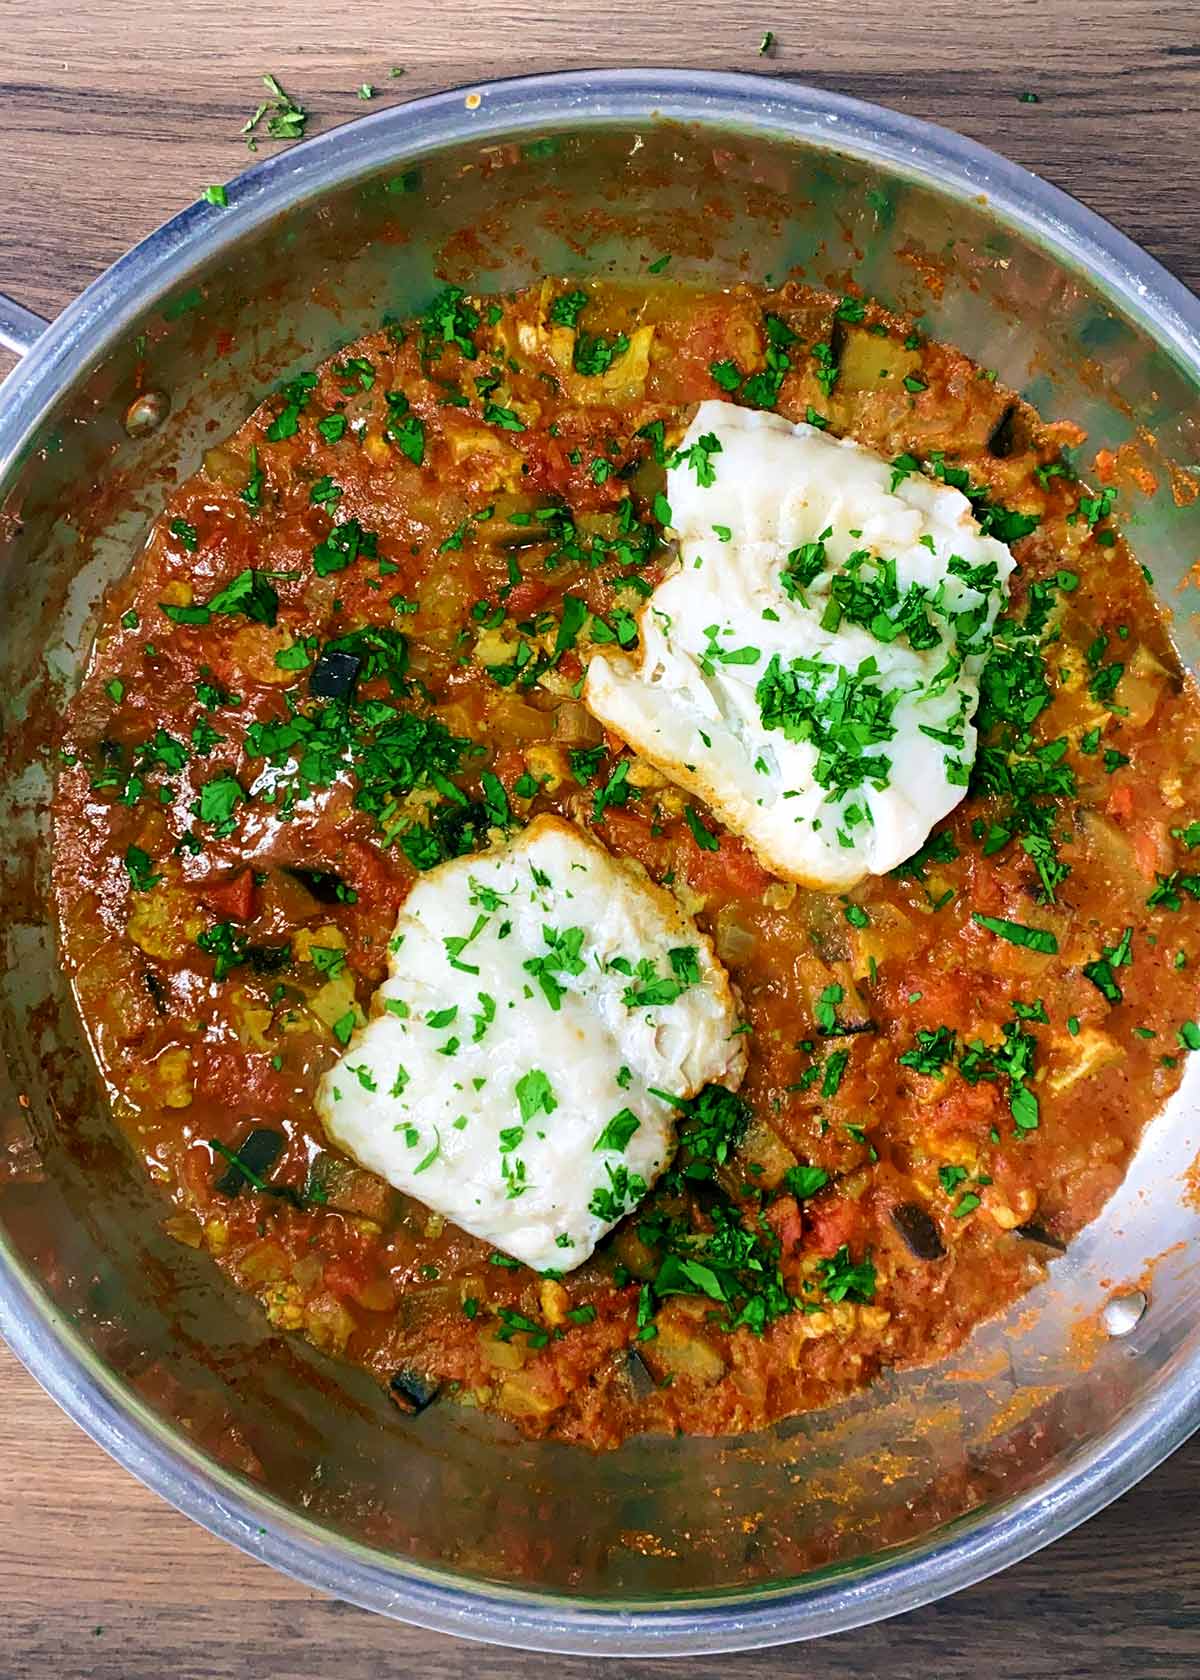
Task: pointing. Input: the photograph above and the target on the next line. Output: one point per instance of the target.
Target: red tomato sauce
(463, 506)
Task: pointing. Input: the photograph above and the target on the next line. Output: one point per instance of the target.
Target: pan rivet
(146, 413)
(1124, 1312)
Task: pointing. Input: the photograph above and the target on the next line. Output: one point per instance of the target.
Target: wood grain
(99, 1578)
(115, 113)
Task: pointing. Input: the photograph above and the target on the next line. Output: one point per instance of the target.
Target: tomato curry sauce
(353, 647)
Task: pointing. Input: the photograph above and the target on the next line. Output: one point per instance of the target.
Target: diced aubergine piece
(334, 675)
(347, 1188)
(1035, 1233)
(257, 1153)
(918, 1230)
(324, 885)
(1002, 439)
(413, 1392)
(640, 1380)
(268, 959)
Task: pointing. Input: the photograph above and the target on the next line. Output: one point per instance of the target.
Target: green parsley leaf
(727, 375)
(294, 658)
(535, 1095)
(843, 1280)
(495, 800)
(586, 761)
(252, 494)
(803, 1181)
(1100, 972)
(330, 960)
(595, 354)
(140, 869)
(250, 593)
(185, 533)
(932, 1051)
(616, 791)
(617, 1133)
(218, 801)
(505, 418)
(345, 544)
(1017, 933)
(567, 308)
(623, 1191)
(704, 838)
(449, 321)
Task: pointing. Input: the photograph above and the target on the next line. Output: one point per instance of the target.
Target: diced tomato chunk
(526, 597)
(731, 870)
(232, 899)
(834, 1222)
(344, 1277)
(222, 1066)
(785, 1218)
(630, 834)
(1120, 801)
(967, 1109)
(1153, 851)
(365, 869)
(508, 764)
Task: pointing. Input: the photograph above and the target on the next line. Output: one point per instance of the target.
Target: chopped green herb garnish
(1017, 933)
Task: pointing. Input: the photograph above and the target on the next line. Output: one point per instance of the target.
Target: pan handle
(20, 328)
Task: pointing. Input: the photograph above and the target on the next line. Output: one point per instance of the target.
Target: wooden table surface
(113, 114)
